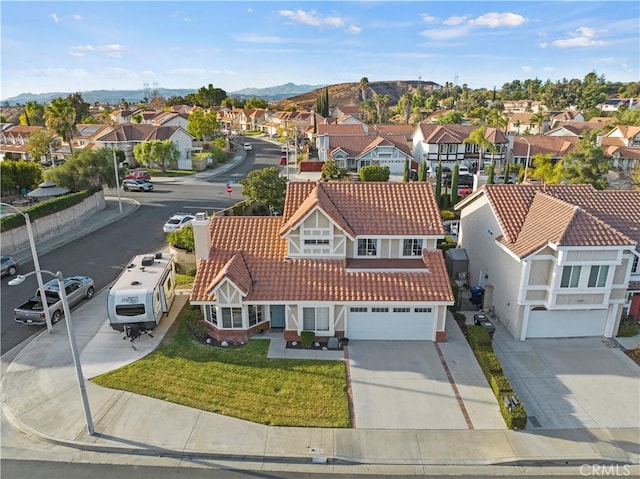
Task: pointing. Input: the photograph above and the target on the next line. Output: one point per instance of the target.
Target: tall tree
(546, 170)
(203, 124)
(18, 175)
(405, 176)
(265, 186)
(479, 137)
(85, 169)
(60, 117)
(586, 164)
(439, 182)
(210, 96)
(538, 119)
(364, 85)
(592, 91)
(404, 105)
(159, 152)
(450, 118)
(331, 170)
(422, 171)
(41, 143)
(80, 106)
(33, 114)
(454, 184)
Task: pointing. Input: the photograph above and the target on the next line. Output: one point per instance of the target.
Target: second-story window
(443, 148)
(367, 247)
(570, 276)
(598, 276)
(412, 247)
(635, 266)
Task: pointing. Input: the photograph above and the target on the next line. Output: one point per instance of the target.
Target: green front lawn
(169, 173)
(240, 383)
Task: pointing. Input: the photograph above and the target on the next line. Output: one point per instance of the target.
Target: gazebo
(47, 189)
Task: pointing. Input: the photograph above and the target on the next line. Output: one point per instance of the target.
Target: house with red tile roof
(14, 142)
(555, 260)
(346, 259)
(433, 143)
(622, 145)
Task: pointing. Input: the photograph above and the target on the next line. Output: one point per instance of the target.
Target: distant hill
(273, 93)
(350, 94)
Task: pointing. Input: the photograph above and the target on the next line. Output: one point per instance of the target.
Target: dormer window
(412, 247)
(367, 247)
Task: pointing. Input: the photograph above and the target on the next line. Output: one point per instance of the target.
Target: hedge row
(44, 208)
(481, 345)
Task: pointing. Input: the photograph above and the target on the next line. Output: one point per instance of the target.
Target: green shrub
(307, 338)
(448, 215)
(182, 239)
(489, 362)
(500, 384)
(628, 327)
(191, 272)
(515, 417)
(479, 338)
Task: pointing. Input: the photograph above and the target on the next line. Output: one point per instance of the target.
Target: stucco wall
(17, 239)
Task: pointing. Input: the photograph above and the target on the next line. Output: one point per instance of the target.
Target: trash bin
(477, 295)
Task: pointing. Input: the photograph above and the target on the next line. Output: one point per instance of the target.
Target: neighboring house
(333, 129)
(355, 151)
(405, 130)
(622, 145)
(555, 260)
(555, 147)
(556, 117)
(125, 116)
(282, 121)
(170, 118)
(86, 135)
(445, 143)
(252, 119)
(14, 142)
(347, 110)
(125, 137)
(611, 105)
(346, 259)
(524, 123)
(572, 129)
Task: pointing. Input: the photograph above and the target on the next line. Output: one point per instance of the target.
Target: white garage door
(566, 324)
(386, 325)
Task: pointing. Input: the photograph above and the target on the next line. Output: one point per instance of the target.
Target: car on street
(177, 222)
(32, 312)
(247, 147)
(137, 185)
(138, 175)
(9, 265)
(499, 179)
(283, 160)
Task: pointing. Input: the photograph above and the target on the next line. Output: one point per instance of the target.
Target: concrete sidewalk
(40, 396)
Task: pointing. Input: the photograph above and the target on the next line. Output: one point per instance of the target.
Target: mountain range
(273, 93)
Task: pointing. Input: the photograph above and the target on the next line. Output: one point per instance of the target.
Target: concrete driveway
(571, 382)
(420, 385)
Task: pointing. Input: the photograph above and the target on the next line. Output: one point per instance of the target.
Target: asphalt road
(102, 254)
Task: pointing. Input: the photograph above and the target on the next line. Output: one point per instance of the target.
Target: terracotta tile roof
(357, 145)
(455, 134)
(139, 132)
(569, 215)
(557, 146)
(340, 129)
(372, 208)
(271, 276)
(394, 129)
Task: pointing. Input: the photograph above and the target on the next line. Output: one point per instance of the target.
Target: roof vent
(147, 260)
(135, 283)
(201, 216)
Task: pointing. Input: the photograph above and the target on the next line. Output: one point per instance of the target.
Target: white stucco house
(345, 259)
(555, 260)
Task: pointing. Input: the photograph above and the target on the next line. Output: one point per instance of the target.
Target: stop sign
(229, 189)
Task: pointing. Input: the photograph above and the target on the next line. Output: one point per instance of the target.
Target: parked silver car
(9, 265)
(137, 185)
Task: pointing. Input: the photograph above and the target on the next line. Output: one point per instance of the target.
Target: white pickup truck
(32, 312)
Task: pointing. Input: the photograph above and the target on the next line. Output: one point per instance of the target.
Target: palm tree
(60, 117)
(478, 137)
(381, 102)
(364, 85)
(405, 103)
(538, 119)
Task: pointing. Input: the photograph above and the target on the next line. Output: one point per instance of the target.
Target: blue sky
(68, 46)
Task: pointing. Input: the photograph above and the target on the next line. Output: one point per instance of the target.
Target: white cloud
(114, 50)
(526, 68)
(54, 17)
(355, 29)
(60, 72)
(77, 17)
(79, 50)
(428, 18)
(251, 38)
(453, 21)
(249, 10)
(445, 33)
(582, 37)
(312, 18)
(494, 20)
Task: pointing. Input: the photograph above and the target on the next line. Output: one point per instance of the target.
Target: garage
(391, 323)
(566, 324)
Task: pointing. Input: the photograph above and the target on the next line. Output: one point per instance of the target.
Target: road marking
(203, 208)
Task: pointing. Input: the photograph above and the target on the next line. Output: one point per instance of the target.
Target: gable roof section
(139, 132)
(456, 134)
(566, 215)
(236, 271)
(334, 129)
(371, 208)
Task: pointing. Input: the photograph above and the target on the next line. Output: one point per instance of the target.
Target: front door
(277, 316)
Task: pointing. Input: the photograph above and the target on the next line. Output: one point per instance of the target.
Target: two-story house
(14, 142)
(622, 145)
(434, 143)
(555, 260)
(346, 259)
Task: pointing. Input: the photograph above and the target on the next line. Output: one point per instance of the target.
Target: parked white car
(247, 147)
(177, 222)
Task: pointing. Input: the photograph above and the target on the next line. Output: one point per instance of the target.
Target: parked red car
(138, 175)
(283, 160)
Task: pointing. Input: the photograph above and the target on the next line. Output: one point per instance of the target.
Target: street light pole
(115, 168)
(72, 339)
(36, 265)
(526, 166)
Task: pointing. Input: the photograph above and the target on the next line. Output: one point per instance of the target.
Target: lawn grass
(170, 173)
(240, 383)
